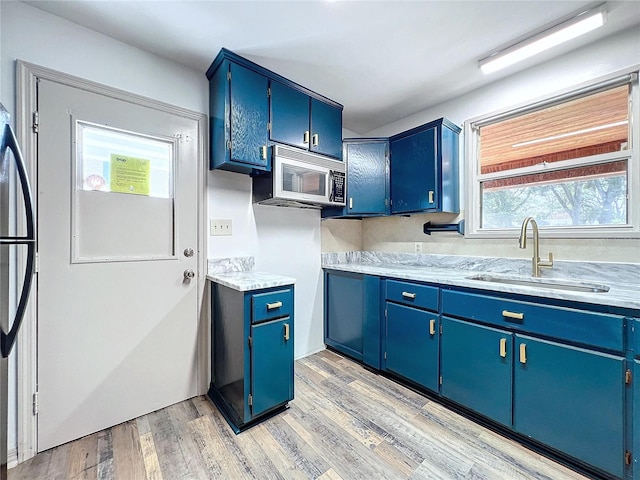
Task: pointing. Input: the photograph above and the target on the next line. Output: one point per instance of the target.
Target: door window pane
(111, 160)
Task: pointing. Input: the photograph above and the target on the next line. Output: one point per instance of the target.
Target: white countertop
(245, 281)
(620, 294)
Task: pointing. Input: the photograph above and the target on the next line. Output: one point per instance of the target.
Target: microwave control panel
(337, 187)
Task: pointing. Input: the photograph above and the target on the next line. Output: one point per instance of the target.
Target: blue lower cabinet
(252, 362)
(352, 317)
(571, 399)
(636, 419)
(272, 364)
(476, 368)
(412, 344)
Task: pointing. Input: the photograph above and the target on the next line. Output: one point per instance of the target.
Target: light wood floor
(345, 423)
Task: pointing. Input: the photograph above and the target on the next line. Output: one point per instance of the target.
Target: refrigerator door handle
(8, 340)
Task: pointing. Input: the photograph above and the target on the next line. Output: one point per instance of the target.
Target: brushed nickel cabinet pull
(350, 202)
(263, 149)
(430, 196)
(410, 295)
(271, 306)
(432, 327)
(315, 140)
(306, 137)
(508, 314)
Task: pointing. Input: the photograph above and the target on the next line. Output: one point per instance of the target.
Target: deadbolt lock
(188, 252)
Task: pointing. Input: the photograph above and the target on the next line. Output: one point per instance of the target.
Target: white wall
(285, 241)
(29, 34)
(400, 233)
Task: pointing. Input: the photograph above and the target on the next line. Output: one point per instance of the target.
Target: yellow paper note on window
(130, 174)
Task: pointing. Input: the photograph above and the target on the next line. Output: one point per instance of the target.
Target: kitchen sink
(567, 285)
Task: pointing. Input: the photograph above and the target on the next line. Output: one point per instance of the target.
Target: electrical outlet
(417, 247)
(220, 227)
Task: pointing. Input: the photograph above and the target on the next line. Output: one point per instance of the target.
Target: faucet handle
(546, 263)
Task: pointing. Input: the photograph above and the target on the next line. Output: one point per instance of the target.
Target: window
(568, 161)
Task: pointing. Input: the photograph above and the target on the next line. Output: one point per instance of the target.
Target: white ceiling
(383, 60)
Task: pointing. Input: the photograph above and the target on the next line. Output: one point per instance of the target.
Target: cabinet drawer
(413, 294)
(579, 326)
(271, 305)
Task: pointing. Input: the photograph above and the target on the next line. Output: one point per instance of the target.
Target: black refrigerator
(17, 247)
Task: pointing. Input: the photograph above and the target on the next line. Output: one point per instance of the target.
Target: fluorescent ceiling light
(574, 27)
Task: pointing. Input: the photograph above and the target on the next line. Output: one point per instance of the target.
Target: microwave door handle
(332, 189)
(8, 340)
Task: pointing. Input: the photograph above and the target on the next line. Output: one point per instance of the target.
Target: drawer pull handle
(516, 316)
(430, 196)
(315, 140)
(286, 331)
(271, 306)
(350, 202)
(523, 353)
(432, 327)
(305, 139)
(263, 150)
(503, 347)
(410, 295)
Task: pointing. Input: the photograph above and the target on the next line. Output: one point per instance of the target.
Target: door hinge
(440, 329)
(35, 403)
(229, 75)
(269, 92)
(440, 379)
(250, 400)
(36, 122)
(627, 377)
(385, 313)
(250, 342)
(386, 202)
(228, 144)
(269, 126)
(385, 355)
(36, 263)
(627, 458)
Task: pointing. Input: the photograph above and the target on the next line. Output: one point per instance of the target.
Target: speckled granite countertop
(238, 273)
(623, 280)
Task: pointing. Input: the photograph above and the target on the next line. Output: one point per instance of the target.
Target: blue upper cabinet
(367, 162)
(239, 114)
(303, 121)
(252, 108)
(424, 169)
(289, 116)
(326, 129)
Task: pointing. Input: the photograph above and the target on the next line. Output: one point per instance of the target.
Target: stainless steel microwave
(301, 179)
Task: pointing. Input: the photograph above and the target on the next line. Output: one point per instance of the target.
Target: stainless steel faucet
(536, 263)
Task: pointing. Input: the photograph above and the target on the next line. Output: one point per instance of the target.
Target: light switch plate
(220, 227)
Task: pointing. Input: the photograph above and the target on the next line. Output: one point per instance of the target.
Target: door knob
(188, 252)
(189, 274)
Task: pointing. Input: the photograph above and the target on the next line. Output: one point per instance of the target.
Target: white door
(117, 214)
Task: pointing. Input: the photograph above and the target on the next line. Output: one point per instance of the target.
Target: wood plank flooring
(345, 423)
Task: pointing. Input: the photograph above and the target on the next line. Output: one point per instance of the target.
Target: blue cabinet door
(344, 312)
(367, 174)
(636, 417)
(413, 172)
(571, 399)
(289, 116)
(412, 344)
(249, 116)
(326, 129)
(476, 368)
(271, 364)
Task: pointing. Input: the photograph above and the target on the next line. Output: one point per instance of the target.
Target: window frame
(473, 180)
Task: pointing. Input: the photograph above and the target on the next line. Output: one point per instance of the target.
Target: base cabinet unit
(424, 169)
(367, 163)
(477, 368)
(571, 399)
(411, 333)
(252, 352)
(352, 315)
